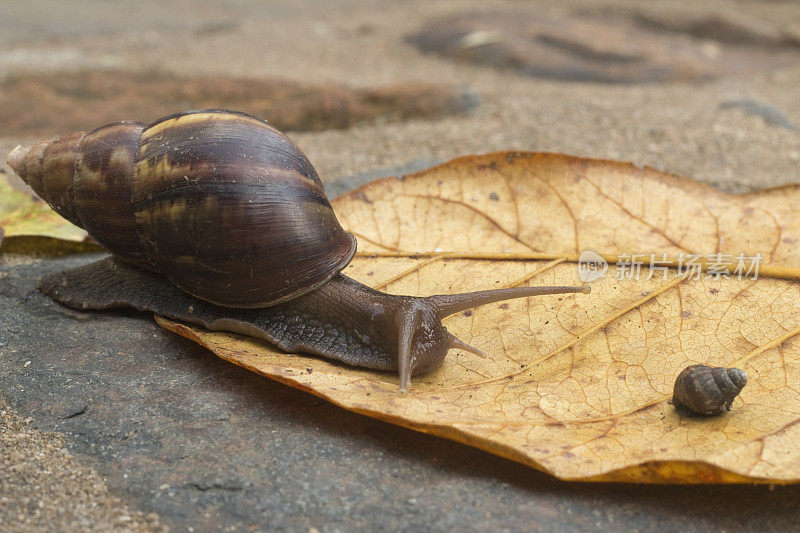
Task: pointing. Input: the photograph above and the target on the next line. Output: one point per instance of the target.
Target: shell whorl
(223, 204)
(708, 390)
(86, 178)
(48, 167)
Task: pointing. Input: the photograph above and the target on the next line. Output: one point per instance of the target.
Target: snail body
(706, 390)
(217, 218)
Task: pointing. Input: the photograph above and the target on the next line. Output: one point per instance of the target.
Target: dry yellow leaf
(30, 225)
(578, 385)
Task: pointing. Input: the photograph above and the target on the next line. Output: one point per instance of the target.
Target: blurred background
(704, 89)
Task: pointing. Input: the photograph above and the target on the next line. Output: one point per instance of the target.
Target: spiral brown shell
(220, 202)
(706, 390)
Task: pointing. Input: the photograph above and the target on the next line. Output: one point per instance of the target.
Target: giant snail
(215, 217)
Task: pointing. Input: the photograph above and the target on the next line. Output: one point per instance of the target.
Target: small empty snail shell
(707, 390)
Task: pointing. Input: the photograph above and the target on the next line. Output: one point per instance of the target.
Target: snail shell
(220, 202)
(706, 390)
